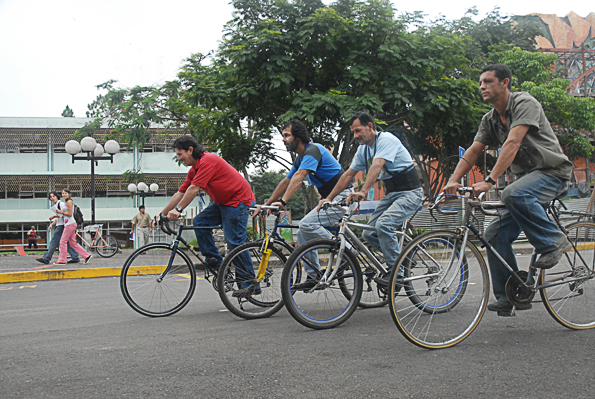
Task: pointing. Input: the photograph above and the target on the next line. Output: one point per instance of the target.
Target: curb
(59, 274)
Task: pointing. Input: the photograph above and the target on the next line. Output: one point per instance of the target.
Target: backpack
(78, 215)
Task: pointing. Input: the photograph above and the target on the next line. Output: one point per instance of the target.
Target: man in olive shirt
(530, 148)
(144, 224)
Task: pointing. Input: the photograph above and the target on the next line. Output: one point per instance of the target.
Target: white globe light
(72, 147)
(88, 144)
(98, 150)
(143, 187)
(154, 187)
(112, 147)
(132, 188)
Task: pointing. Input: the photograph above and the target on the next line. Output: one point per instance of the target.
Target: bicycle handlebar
(165, 226)
(487, 207)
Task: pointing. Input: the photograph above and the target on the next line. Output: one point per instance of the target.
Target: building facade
(33, 162)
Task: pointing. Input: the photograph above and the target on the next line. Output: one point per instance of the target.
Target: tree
(67, 113)
(264, 183)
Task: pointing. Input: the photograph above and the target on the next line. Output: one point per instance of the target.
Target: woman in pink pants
(69, 233)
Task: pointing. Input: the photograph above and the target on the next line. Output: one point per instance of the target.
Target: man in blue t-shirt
(316, 164)
(382, 156)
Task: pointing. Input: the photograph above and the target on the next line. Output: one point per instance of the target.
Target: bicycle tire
(142, 289)
(263, 305)
(445, 314)
(570, 299)
(327, 305)
(110, 248)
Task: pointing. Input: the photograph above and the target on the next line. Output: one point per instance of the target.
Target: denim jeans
(55, 242)
(234, 221)
(314, 224)
(526, 201)
(393, 210)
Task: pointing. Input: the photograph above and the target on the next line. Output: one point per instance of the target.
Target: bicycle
(105, 245)
(336, 289)
(268, 258)
(446, 281)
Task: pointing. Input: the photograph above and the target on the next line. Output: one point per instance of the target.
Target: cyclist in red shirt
(231, 198)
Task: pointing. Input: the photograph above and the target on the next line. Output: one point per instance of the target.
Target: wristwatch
(488, 179)
(178, 208)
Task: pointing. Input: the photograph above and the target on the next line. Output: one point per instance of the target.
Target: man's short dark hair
(298, 129)
(185, 142)
(502, 71)
(141, 207)
(364, 119)
(55, 193)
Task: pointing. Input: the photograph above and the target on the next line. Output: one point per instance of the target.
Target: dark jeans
(33, 243)
(234, 221)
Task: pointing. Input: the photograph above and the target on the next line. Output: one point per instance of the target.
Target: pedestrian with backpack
(69, 233)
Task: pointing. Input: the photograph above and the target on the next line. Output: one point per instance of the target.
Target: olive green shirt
(142, 220)
(540, 149)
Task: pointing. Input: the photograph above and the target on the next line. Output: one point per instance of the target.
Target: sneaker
(73, 261)
(550, 259)
(246, 292)
(213, 263)
(506, 307)
(87, 259)
(306, 285)
(41, 260)
(60, 263)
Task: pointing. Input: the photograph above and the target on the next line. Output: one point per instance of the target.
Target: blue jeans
(393, 210)
(526, 201)
(314, 224)
(53, 245)
(234, 221)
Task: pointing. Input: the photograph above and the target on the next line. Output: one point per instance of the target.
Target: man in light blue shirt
(382, 156)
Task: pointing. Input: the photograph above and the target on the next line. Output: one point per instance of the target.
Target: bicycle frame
(96, 236)
(468, 226)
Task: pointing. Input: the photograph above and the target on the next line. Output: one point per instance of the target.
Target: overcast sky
(54, 53)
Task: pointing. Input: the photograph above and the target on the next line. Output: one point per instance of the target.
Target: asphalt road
(78, 338)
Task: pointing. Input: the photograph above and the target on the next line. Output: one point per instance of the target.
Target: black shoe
(384, 281)
(507, 307)
(41, 260)
(246, 292)
(86, 261)
(306, 285)
(213, 264)
(73, 261)
(551, 259)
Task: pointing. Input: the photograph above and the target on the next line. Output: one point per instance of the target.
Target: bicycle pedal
(510, 313)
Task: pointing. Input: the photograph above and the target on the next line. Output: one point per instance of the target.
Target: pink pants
(69, 237)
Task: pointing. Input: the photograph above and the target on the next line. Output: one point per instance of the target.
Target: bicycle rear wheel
(569, 287)
(446, 291)
(107, 247)
(324, 304)
(144, 288)
(233, 275)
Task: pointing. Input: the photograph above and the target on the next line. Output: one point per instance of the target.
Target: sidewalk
(16, 268)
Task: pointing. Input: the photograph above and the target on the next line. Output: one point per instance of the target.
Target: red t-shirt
(224, 184)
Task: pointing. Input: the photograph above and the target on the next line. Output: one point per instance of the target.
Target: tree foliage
(68, 113)
(282, 59)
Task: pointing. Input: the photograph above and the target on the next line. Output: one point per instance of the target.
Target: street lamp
(142, 190)
(95, 152)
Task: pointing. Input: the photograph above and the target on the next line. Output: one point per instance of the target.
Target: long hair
(185, 142)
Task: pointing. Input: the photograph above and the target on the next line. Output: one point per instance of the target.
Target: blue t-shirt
(317, 160)
(388, 147)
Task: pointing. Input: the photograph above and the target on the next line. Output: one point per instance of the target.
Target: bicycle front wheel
(446, 291)
(312, 301)
(568, 289)
(266, 300)
(107, 247)
(145, 288)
